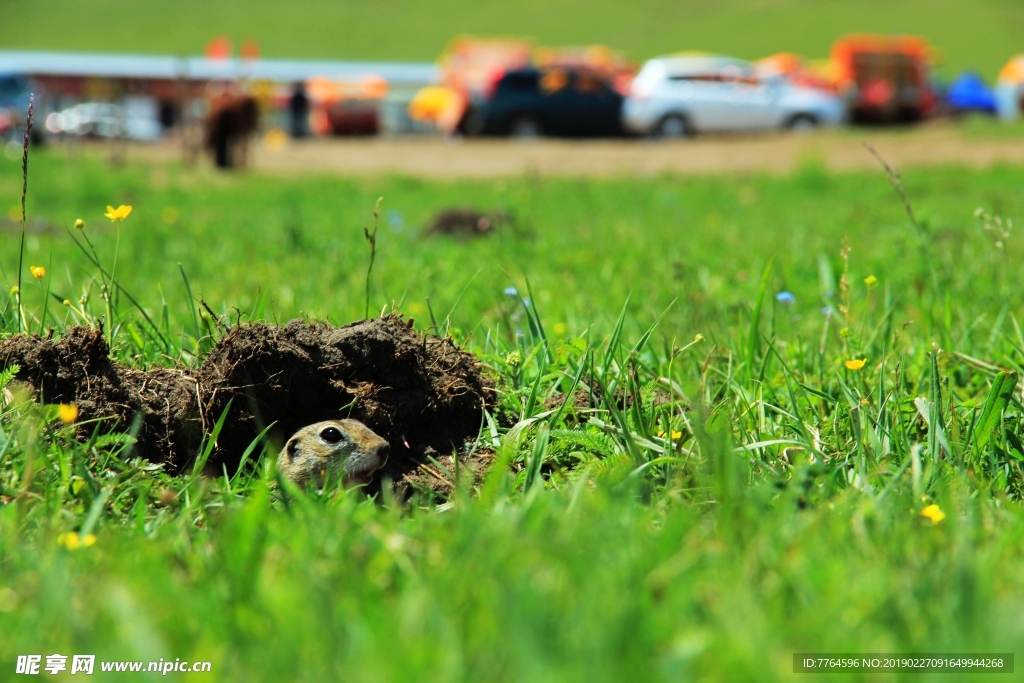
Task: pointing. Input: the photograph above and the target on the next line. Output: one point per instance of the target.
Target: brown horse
(232, 119)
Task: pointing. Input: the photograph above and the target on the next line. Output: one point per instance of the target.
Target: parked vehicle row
(670, 97)
(505, 87)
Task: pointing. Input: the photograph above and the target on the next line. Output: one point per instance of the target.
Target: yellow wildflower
(871, 281)
(79, 224)
(118, 214)
(15, 291)
(67, 413)
(560, 328)
(72, 541)
(67, 302)
(675, 435)
(934, 513)
(698, 338)
(38, 272)
(856, 363)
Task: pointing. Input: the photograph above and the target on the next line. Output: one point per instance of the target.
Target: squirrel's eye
(332, 435)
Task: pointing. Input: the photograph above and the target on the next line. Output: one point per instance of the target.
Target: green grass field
(979, 34)
(758, 498)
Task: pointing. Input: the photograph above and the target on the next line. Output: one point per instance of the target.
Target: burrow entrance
(421, 393)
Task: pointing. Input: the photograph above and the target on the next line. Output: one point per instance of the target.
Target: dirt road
(776, 153)
(772, 153)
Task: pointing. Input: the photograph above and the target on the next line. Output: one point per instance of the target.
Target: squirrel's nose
(383, 451)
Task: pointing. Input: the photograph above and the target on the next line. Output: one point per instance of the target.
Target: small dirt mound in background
(423, 394)
(466, 223)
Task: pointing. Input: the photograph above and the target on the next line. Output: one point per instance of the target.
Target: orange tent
(1009, 89)
(1013, 71)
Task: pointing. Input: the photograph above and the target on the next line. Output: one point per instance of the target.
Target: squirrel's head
(334, 450)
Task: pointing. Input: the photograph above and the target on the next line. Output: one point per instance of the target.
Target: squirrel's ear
(292, 449)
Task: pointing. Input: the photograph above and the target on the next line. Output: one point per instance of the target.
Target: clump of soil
(587, 397)
(423, 394)
(581, 399)
(590, 397)
(437, 478)
(77, 369)
(466, 223)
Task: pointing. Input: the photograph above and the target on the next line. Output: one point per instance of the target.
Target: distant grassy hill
(979, 34)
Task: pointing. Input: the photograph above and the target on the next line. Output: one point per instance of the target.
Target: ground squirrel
(333, 450)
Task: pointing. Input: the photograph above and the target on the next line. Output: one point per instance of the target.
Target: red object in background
(346, 107)
(219, 48)
(491, 82)
(885, 79)
(250, 49)
(876, 93)
(353, 118)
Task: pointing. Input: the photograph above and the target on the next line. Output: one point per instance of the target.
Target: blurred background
(214, 76)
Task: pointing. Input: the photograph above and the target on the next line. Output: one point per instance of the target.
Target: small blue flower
(511, 292)
(526, 302)
(785, 298)
(395, 220)
(827, 310)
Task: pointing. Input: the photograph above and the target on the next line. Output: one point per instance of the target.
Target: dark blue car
(553, 101)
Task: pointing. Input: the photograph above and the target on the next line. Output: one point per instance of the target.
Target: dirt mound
(466, 223)
(77, 369)
(421, 393)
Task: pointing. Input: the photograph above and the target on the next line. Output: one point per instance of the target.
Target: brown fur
(232, 119)
(310, 458)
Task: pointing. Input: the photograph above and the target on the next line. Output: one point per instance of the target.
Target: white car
(682, 95)
(135, 119)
